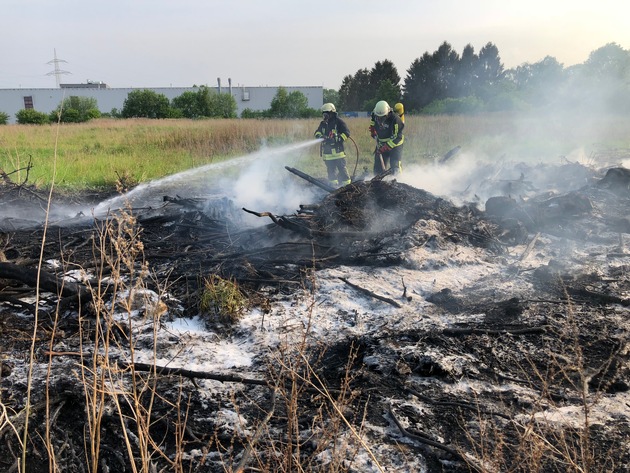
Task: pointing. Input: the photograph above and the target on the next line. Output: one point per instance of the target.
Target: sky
(181, 43)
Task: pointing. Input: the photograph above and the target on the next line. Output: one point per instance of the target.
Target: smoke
(469, 178)
(450, 180)
(257, 181)
(266, 186)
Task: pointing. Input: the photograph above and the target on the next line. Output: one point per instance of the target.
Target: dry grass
(96, 154)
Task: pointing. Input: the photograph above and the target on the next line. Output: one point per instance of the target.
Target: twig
(427, 441)
(486, 331)
(370, 293)
(530, 246)
(259, 431)
(163, 370)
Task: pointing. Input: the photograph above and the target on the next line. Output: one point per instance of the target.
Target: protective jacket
(389, 131)
(335, 132)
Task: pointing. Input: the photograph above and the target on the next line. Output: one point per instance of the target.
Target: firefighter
(387, 128)
(334, 132)
(399, 108)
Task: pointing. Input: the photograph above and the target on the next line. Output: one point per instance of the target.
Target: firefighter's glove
(373, 132)
(384, 149)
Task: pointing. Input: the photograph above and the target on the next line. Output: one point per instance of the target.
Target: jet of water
(143, 192)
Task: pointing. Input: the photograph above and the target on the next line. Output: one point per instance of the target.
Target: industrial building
(107, 98)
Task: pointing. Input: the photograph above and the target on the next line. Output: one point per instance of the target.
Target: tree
(361, 91)
(540, 83)
(4, 118)
(489, 69)
(602, 83)
(146, 103)
(290, 105)
(222, 106)
(355, 90)
(466, 72)
(420, 85)
(386, 91)
(445, 65)
(76, 109)
(205, 103)
(384, 71)
(331, 96)
(609, 62)
(188, 104)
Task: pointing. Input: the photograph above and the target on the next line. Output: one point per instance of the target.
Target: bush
(31, 117)
(76, 110)
(4, 118)
(249, 113)
(146, 104)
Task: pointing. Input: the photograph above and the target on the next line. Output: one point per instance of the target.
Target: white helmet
(328, 107)
(381, 109)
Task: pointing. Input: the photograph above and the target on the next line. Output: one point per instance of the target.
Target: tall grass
(98, 153)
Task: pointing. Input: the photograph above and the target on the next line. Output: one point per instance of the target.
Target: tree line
(146, 103)
(448, 82)
(442, 82)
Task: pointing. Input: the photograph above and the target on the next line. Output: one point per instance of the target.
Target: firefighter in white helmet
(334, 132)
(387, 128)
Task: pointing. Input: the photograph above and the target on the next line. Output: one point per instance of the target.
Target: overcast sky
(179, 43)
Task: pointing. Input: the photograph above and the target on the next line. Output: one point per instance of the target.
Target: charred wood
(371, 294)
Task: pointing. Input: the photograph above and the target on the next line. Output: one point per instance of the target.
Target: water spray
(155, 185)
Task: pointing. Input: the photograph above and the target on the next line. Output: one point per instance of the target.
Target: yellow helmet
(399, 109)
(381, 109)
(328, 107)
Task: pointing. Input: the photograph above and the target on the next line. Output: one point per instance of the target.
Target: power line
(57, 72)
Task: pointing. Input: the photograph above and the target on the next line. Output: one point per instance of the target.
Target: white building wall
(47, 100)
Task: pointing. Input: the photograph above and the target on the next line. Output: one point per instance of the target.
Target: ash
(385, 328)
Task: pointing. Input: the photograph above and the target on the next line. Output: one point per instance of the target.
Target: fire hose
(356, 164)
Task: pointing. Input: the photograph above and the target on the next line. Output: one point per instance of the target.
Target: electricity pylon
(57, 72)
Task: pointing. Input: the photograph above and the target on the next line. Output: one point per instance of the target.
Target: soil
(525, 367)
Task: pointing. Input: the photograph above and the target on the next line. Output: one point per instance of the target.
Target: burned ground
(524, 367)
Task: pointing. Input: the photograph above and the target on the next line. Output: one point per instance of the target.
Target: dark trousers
(337, 171)
(391, 158)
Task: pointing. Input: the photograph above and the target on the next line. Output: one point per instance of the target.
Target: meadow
(104, 152)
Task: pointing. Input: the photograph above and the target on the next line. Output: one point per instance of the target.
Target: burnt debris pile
(372, 222)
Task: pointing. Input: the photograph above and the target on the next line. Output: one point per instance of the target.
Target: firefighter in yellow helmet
(387, 128)
(334, 132)
(399, 108)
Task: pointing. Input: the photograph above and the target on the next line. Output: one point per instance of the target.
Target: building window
(28, 102)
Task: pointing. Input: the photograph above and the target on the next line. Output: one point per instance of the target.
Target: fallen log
(224, 378)
(47, 281)
(449, 154)
(312, 180)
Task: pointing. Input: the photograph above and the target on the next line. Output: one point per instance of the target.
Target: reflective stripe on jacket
(389, 131)
(335, 132)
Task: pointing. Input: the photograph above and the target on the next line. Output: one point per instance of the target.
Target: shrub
(31, 117)
(4, 118)
(223, 299)
(450, 106)
(76, 110)
(146, 104)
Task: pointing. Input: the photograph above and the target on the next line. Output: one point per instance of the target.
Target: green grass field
(100, 153)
